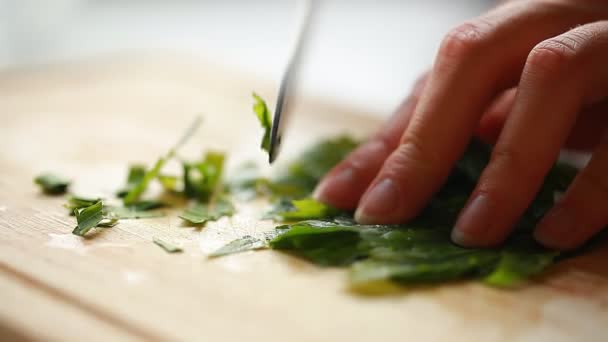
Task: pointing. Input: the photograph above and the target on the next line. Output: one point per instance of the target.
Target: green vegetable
(308, 209)
(140, 183)
(245, 243)
(419, 252)
(91, 217)
(169, 248)
(201, 213)
(138, 189)
(305, 172)
(52, 184)
(323, 243)
(169, 183)
(202, 179)
(77, 202)
(518, 262)
(136, 175)
(265, 118)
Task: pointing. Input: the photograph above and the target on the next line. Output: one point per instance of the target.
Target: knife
(283, 107)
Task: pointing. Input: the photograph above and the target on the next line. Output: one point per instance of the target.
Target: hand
(531, 76)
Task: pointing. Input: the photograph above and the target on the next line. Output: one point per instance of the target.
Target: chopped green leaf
(169, 248)
(141, 185)
(520, 260)
(202, 179)
(201, 213)
(304, 173)
(52, 184)
(419, 252)
(245, 243)
(265, 119)
(169, 183)
(78, 202)
(138, 189)
(308, 209)
(91, 217)
(323, 243)
(136, 175)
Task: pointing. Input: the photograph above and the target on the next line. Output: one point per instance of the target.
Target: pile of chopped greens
(417, 252)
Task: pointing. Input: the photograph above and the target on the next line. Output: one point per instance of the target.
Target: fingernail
(556, 229)
(474, 222)
(380, 201)
(342, 179)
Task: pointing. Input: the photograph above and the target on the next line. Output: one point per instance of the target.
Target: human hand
(531, 76)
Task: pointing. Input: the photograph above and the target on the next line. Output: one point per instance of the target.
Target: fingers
(343, 186)
(589, 128)
(585, 135)
(583, 210)
(476, 62)
(554, 87)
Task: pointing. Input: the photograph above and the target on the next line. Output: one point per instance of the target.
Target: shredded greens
(136, 175)
(91, 217)
(52, 184)
(169, 248)
(77, 202)
(202, 213)
(417, 252)
(306, 209)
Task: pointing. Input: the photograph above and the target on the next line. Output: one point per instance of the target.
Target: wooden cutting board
(90, 120)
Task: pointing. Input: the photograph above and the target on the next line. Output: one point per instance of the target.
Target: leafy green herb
(138, 189)
(520, 261)
(169, 248)
(136, 175)
(244, 243)
(308, 209)
(418, 252)
(201, 213)
(202, 179)
(52, 184)
(140, 186)
(265, 118)
(78, 202)
(304, 173)
(323, 243)
(91, 217)
(169, 183)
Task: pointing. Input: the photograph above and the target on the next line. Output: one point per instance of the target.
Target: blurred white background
(364, 53)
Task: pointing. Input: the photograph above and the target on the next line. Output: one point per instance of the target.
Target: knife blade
(287, 86)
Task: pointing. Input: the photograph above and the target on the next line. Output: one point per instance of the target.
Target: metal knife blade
(286, 88)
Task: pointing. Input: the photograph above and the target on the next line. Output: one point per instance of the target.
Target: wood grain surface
(90, 120)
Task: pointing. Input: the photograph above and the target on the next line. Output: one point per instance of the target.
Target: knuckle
(464, 40)
(555, 55)
(411, 154)
(370, 153)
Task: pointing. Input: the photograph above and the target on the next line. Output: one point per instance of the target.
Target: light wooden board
(89, 120)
